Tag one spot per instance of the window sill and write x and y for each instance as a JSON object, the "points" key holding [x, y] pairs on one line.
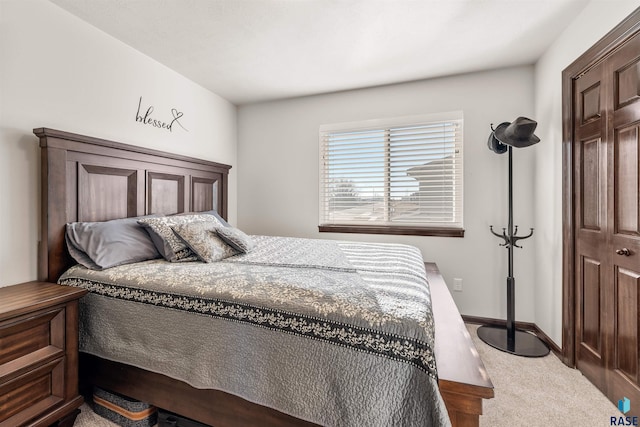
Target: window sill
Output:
{"points": [[382, 229]]}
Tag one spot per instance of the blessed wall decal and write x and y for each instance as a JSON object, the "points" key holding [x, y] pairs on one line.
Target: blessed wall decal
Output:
{"points": [[147, 119]]}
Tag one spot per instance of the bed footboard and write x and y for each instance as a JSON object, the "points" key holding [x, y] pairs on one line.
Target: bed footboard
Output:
{"points": [[463, 379]]}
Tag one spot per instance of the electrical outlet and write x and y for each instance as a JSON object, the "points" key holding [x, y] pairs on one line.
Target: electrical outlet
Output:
{"points": [[457, 284]]}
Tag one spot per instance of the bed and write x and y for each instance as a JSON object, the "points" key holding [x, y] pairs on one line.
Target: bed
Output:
{"points": [[90, 179]]}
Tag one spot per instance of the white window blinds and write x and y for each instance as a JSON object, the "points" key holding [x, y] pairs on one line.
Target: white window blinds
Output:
{"points": [[404, 172]]}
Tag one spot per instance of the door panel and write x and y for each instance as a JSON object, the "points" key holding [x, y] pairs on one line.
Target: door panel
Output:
{"points": [[590, 103], [627, 323], [606, 146], [622, 377], [591, 221], [590, 182], [591, 302], [627, 82], [624, 206], [625, 170]]}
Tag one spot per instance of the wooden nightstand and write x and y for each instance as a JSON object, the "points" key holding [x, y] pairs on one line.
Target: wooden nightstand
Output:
{"points": [[39, 355]]}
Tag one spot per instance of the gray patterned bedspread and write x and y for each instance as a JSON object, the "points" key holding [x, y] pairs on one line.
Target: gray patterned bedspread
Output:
{"points": [[333, 332]]}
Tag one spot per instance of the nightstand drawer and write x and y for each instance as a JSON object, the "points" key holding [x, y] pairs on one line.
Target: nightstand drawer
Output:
{"points": [[39, 355], [26, 334], [32, 393]]}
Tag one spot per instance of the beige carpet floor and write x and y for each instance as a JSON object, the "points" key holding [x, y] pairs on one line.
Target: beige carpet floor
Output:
{"points": [[529, 392], [532, 392]]}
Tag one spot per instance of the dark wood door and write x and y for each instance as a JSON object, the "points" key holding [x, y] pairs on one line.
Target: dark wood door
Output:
{"points": [[590, 219], [606, 105], [623, 237]]}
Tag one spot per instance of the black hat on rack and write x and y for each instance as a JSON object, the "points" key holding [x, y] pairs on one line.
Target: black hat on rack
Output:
{"points": [[519, 133], [493, 143]]}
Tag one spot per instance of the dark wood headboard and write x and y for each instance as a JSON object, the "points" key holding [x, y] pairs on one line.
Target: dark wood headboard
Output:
{"points": [[92, 179]]}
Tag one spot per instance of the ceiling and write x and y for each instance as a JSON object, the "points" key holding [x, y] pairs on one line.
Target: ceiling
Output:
{"points": [[256, 50]]}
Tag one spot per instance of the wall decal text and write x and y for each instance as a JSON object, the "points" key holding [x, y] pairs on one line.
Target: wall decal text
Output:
{"points": [[147, 119]]}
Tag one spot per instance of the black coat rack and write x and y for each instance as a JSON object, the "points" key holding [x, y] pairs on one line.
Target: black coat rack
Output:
{"points": [[508, 338]]}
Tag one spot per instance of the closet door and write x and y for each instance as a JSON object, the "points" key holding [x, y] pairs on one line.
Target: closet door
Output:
{"points": [[623, 231], [591, 256], [606, 147]]}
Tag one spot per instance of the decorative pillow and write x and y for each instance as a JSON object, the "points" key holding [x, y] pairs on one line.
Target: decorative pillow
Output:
{"points": [[203, 240], [170, 246], [236, 238], [100, 245], [213, 213]]}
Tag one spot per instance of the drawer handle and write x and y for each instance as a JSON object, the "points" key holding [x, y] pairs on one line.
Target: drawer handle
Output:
{"points": [[623, 251]]}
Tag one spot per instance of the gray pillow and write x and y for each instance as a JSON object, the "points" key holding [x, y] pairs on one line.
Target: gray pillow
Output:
{"points": [[170, 246], [236, 239], [100, 245], [202, 239]]}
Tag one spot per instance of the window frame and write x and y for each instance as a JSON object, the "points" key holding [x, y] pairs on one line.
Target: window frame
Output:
{"points": [[385, 125]]}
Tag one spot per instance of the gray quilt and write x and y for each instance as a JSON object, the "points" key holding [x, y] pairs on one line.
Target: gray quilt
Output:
{"points": [[337, 333]]}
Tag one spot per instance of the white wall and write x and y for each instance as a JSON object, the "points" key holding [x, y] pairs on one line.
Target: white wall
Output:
{"points": [[596, 20], [278, 174], [57, 71]]}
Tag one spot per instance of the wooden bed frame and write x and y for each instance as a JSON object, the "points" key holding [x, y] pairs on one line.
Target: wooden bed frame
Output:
{"points": [[91, 179]]}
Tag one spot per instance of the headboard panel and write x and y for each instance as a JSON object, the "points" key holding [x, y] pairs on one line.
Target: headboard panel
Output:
{"points": [[90, 179]]}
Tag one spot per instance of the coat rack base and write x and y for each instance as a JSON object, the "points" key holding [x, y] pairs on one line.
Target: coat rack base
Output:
{"points": [[522, 344]]}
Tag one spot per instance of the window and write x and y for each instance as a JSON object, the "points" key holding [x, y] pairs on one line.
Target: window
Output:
{"points": [[393, 176]]}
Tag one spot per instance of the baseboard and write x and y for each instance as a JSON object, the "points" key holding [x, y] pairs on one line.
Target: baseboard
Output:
{"points": [[525, 326]]}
